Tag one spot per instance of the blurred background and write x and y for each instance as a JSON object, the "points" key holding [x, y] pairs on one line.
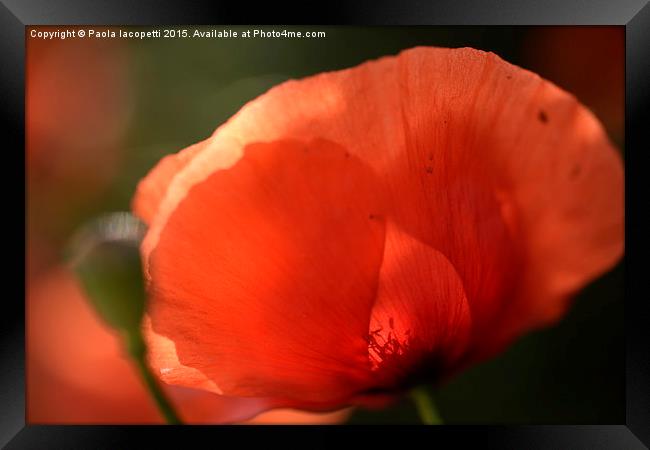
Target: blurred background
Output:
{"points": [[101, 112]]}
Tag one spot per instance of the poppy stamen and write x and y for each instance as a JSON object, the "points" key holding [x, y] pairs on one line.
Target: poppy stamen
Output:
{"points": [[385, 348]]}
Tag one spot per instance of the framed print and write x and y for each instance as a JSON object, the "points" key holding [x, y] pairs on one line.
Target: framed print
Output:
{"points": [[382, 215]]}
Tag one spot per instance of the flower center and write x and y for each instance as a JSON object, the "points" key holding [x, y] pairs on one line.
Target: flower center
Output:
{"points": [[387, 348]]}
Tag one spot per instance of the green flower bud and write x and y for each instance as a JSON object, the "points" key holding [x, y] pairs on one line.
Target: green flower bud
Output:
{"points": [[105, 256]]}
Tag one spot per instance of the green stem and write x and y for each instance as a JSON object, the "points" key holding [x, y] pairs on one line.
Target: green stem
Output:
{"points": [[137, 350], [425, 406]]}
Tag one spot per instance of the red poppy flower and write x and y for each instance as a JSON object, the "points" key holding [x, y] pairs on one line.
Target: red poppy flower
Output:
{"points": [[361, 231], [78, 372]]}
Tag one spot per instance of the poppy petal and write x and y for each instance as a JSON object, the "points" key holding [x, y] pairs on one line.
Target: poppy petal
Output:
{"points": [[295, 417], [152, 188], [421, 321], [163, 359], [276, 299], [196, 406], [523, 191]]}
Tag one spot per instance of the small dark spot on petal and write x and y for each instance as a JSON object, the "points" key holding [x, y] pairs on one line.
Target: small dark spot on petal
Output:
{"points": [[430, 156], [509, 77], [347, 154], [575, 172], [429, 169], [372, 216], [542, 116]]}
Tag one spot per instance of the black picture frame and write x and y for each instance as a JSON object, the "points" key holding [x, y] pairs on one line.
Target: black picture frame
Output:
{"points": [[15, 15]]}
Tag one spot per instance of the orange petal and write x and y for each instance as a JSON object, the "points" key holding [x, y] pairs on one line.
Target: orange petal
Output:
{"points": [[295, 417], [196, 406], [163, 359], [522, 190], [420, 323], [275, 299], [152, 188]]}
